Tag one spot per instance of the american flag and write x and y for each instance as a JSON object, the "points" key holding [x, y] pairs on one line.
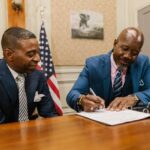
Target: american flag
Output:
{"points": [[46, 64]]}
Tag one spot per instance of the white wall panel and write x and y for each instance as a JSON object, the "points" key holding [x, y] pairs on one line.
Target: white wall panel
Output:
{"points": [[66, 77], [127, 12]]}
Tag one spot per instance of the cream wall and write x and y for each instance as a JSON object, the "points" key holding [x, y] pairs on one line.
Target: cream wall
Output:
{"points": [[73, 52], [126, 14]]}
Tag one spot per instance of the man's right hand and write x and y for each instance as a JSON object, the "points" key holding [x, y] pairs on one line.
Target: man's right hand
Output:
{"points": [[90, 103]]}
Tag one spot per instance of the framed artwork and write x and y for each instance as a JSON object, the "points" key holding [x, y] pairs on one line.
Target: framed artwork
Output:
{"points": [[87, 24]]}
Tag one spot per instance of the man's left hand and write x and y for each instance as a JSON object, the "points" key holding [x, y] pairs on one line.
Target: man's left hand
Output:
{"points": [[121, 103]]}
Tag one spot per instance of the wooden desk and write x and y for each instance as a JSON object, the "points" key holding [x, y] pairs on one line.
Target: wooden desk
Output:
{"points": [[74, 133]]}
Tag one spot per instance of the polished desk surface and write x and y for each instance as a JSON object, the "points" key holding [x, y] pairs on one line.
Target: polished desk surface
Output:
{"points": [[74, 132]]}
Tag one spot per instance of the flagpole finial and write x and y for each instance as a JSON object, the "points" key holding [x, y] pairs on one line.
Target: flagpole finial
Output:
{"points": [[42, 12]]}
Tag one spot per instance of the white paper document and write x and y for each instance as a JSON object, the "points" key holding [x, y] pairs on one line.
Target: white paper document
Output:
{"points": [[114, 117]]}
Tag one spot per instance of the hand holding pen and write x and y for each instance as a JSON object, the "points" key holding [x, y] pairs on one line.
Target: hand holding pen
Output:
{"points": [[101, 101], [92, 102]]}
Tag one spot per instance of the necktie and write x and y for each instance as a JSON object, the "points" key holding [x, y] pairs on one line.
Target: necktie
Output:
{"points": [[23, 110], [117, 87]]}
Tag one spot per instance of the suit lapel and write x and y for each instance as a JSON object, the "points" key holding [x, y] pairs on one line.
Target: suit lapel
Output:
{"points": [[8, 82], [30, 86], [135, 77], [107, 77]]}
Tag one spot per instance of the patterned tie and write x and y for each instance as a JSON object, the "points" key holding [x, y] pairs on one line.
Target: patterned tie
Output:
{"points": [[117, 87], [23, 110]]}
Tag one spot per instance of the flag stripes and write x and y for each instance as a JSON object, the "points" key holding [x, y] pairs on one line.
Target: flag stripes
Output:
{"points": [[46, 64]]}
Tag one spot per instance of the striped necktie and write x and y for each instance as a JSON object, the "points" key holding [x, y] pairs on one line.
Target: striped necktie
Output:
{"points": [[117, 87], [23, 110]]}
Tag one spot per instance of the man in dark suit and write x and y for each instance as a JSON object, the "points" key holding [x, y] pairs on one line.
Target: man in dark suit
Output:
{"points": [[100, 74], [21, 55]]}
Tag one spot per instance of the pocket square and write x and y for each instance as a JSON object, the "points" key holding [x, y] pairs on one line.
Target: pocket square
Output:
{"points": [[141, 83], [38, 97]]}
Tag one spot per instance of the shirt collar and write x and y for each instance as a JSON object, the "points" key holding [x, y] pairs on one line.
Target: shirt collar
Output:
{"points": [[113, 62], [114, 65], [13, 72]]}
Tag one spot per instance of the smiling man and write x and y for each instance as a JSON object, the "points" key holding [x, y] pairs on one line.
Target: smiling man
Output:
{"points": [[120, 79], [20, 82]]}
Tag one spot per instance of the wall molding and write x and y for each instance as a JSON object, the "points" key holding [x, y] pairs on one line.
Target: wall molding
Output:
{"points": [[66, 77], [67, 74], [63, 81], [68, 69]]}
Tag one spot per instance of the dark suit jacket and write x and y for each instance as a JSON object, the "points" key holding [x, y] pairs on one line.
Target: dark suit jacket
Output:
{"points": [[9, 103], [97, 75]]}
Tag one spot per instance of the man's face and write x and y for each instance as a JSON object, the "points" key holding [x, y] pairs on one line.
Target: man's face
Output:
{"points": [[26, 57], [126, 51]]}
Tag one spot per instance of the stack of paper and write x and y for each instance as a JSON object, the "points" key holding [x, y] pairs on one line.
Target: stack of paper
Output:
{"points": [[114, 117]]}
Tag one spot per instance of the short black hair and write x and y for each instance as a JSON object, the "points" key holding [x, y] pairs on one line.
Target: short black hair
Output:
{"points": [[12, 36]]}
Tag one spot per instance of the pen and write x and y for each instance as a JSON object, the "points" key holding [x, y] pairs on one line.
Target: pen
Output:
{"points": [[92, 92]]}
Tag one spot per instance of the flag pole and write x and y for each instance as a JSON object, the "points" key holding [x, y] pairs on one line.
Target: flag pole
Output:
{"points": [[42, 12]]}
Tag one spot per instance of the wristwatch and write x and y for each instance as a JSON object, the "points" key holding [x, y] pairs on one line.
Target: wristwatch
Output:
{"points": [[79, 103]]}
